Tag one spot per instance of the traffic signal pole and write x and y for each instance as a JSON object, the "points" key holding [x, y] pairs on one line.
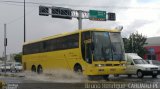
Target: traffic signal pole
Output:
{"points": [[79, 19], [67, 13], [5, 45]]}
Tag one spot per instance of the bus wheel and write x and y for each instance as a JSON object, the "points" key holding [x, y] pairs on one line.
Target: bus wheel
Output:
{"points": [[106, 77], [78, 69], [39, 69], [33, 69]]}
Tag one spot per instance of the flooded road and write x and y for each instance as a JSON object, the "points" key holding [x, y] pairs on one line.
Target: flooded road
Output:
{"points": [[63, 79]]}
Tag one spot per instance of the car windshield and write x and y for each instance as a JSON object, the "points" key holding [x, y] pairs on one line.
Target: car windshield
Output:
{"points": [[107, 46], [6, 65], [139, 61], [2, 65], [17, 64]]}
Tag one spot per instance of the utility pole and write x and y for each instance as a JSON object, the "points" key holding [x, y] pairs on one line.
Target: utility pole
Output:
{"points": [[24, 21], [132, 42], [5, 45], [79, 19]]}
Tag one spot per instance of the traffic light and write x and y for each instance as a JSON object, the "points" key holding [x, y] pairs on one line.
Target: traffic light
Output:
{"points": [[111, 16], [59, 12], [44, 11]]}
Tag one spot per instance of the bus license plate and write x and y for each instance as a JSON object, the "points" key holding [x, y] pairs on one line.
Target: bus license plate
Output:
{"points": [[154, 72], [112, 69]]}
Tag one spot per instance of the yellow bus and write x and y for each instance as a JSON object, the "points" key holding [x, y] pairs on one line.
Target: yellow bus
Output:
{"points": [[90, 51]]}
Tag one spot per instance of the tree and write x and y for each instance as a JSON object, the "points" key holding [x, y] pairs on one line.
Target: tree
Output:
{"points": [[18, 57], [1, 58], [135, 44]]}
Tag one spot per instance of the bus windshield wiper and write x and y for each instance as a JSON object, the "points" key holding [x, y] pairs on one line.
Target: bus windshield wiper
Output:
{"points": [[103, 50]]}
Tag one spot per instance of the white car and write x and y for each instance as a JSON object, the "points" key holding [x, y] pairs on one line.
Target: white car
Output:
{"points": [[8, 67], [17, 67], [137, 66]]}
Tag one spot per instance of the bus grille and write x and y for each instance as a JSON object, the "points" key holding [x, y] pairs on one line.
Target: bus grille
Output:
{"points": [[116, 64], [154, 68], [108, 64]]}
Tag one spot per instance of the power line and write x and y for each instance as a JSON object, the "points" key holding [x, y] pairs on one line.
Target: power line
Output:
{"points": [[15, 3], [21, 17], [93, 6], [11, 4], [26, 2], [18, 18]]}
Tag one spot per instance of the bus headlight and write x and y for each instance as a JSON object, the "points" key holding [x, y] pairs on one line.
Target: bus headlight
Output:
{"points": [[123, 64], [98, 65]]}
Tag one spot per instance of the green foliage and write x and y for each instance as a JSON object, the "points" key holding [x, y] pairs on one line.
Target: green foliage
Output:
{"points": [[1, 58], [138, 44], [18, 57]]}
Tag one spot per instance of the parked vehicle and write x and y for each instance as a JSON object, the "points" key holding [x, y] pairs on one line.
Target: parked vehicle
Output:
{"points": [[154, 62], [8, 67], [138, 66], [17, 67]]}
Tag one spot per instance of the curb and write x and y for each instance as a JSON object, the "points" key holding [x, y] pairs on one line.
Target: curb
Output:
{"points": [[11, 75]]}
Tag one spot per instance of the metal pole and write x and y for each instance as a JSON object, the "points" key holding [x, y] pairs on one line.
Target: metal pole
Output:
{"points": [[132, 42], [5, 44], [79, 19], [24, 21]]}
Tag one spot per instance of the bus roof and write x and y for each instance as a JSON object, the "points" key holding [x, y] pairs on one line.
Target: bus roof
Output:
{"points": [[69, 33]]}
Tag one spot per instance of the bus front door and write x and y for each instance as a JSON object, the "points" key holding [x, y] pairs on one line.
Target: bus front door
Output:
{"points": [[88, 53]]}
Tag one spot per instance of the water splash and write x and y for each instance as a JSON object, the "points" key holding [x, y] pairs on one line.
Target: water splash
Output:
{"points": [[60, 76]]}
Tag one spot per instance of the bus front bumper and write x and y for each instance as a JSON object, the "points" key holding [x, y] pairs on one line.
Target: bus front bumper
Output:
{"points": [[105, 70]]}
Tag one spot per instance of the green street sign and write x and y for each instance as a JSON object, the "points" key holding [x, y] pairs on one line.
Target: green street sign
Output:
{"points": [[97, 15]]}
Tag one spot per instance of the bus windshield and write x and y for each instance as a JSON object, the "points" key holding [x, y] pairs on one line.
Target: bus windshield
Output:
{"points": [[107, 46], [116, 45]]}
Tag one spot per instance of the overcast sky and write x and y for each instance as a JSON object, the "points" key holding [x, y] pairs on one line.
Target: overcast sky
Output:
{"points": [[134, 15]]}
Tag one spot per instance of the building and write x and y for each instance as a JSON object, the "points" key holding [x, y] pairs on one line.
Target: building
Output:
{"points": [[153, 48], [10, 58]]}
